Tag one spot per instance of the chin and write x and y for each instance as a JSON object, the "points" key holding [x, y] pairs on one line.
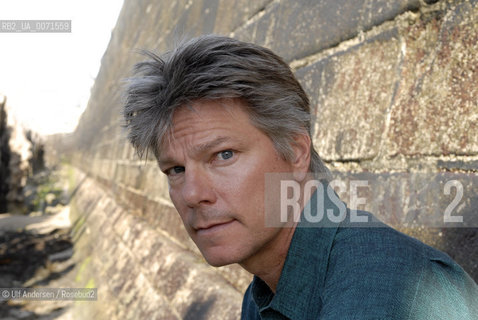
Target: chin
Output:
{"points": [[219, 259]]}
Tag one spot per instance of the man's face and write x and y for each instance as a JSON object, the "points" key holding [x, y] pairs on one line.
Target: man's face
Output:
{"points": [[216, 161]]}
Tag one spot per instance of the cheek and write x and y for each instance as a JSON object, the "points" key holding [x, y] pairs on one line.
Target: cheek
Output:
{"points": [[245, 192]]}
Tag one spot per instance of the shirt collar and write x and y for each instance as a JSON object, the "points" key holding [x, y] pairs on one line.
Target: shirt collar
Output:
{"points": [[303, 275]]}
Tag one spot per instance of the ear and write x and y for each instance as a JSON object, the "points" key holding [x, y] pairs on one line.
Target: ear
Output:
{"points": [[301, 162]]}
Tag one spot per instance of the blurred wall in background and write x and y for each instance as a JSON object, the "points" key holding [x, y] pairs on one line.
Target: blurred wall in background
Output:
{"points": [[393, 89]]}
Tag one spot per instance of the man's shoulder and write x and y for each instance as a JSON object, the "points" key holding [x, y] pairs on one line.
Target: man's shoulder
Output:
{"points": [[381, 241], [385, 273], [376, 272]]}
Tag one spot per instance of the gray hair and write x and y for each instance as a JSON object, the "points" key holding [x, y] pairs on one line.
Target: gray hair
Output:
{"points": [[215, 67]]}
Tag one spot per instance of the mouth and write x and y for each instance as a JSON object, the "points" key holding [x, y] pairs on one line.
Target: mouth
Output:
{"points": [[213, 227]]}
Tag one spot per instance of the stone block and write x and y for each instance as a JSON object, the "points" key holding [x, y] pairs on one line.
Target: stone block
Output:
{"points": [[130, 198], [176, 20], [413, 200], [232, 14], [236, 275], [173, 271], [154, 183], [135, 229], [122, 273], [375, 12], [436, 108], [106, 169], [170, 222], [204, 296], [351, 93], [128, 174], [199, 17], [312, 26], [153, 305], [261, 30], [122, 226]]}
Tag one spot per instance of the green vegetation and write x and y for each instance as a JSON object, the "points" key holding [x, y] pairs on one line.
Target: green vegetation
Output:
{"points": [[80, 275], [45, 185]]}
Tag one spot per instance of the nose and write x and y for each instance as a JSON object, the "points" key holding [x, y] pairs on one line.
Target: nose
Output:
{"points": [[197, 188]]}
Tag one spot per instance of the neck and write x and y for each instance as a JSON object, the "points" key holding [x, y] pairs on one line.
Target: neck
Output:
{"points": [[268, 264]]}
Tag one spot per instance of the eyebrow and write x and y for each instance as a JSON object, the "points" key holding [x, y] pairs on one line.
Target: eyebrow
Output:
{"points": [[201, 148], [210, 145]]}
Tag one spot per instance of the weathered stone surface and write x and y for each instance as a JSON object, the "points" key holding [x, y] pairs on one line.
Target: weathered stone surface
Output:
{"points": [[350, 117], [458, 165], [260, 30], [210, 300], [432, 200], [423, 97], [155, 188], [436, 109], [312, 26], [230, 15], [236, 275], [147, 272]]}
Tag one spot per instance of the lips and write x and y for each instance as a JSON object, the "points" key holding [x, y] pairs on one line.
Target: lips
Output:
{"points": [[213, 227]]}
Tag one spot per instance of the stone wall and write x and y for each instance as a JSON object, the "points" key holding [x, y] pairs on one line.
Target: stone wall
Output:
{"points": [[393, 89], [141, 272]]}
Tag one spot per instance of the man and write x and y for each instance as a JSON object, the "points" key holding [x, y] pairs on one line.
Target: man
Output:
{"points": [[220, 116]]}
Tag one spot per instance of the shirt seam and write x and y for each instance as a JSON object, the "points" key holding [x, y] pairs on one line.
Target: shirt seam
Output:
{"points": [[416, 293]]}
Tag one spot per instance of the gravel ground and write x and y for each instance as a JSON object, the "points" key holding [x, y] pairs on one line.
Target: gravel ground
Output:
{"points": [[29, 259]]}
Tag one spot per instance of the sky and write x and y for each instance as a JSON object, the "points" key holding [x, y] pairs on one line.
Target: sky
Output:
{"points": [[47, 77]]}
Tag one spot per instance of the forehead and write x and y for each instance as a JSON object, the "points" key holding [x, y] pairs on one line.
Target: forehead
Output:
{"points": [[203, 112], [203, 118]]}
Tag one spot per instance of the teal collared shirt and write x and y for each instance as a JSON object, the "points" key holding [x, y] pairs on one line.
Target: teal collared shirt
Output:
{"points": [[362, 271]]}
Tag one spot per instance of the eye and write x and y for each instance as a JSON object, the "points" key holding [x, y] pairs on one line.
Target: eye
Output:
{"points": [[225, 155], [174, 170]]}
